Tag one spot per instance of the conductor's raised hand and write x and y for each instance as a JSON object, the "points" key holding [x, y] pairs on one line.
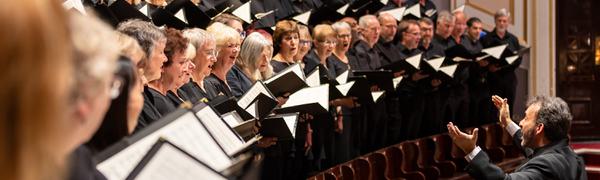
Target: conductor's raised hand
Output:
{"points": [[503, 110], [464, 141]]}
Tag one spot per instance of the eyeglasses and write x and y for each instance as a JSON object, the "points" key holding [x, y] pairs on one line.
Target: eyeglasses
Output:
{"points": [[213, 53], [328, 42], [305, 42], [243, 34], [343, 36], [115, 87]]}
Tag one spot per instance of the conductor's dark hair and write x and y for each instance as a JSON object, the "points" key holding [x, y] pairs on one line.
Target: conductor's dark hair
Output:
{"points": [[554, 114], [114, 126]]}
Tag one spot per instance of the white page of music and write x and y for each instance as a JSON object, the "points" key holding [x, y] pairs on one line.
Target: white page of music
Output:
{"points": [[185, 132], [254, 91], [319, 94], [170, 163], [222, 132]]}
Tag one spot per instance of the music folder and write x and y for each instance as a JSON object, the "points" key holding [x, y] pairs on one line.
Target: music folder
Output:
{"points": [[225, 135], [180, 127], [312, 100], [361, 89], [261, 99], [409, 65], [282, 126], [166, 160], [243, 128], [381, 78], [224, 105], [289, 80]]}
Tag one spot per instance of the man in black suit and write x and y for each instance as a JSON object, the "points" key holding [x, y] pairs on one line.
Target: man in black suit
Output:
{"points": [[542, 135]]}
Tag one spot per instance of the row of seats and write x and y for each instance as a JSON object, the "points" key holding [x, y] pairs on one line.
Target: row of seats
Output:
{"points": [[433, 157]]}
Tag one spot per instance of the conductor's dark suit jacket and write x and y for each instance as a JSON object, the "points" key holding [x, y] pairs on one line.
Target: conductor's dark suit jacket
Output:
{"points": [[553, 161]]}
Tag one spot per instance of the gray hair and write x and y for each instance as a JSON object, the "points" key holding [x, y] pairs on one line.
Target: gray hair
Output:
{"points": [[198, 37], [337, 26], [251, 51], [95, 50], [445, 16], [501, 13], [554, 113], [364, 21], [146, 34]]}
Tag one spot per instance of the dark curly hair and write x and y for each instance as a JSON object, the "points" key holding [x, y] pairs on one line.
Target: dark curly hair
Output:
{"points": [[176, 43]]}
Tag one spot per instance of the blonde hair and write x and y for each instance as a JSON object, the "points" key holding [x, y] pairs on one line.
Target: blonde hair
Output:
{"points": [[323, 31], [223, 34], [251, 52], [303, 31], [190, 51], [95, 51], [36, 77]]}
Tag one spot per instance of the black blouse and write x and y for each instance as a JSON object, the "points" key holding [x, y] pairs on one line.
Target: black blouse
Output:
{"points": [[161, 102], [194, 92], [215, 87]]}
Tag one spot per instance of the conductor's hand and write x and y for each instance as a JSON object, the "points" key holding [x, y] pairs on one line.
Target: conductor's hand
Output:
{"points": [[503, 110], [464, 141]]}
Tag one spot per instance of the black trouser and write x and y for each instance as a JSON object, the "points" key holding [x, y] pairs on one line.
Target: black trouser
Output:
{"points": [[504, 84], [433, 122], [481, 107], [394, 121]]}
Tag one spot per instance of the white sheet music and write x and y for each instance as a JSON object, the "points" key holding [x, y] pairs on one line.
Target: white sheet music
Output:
{"points": [[185, 132], [512, 59], [252, 109], [170, 163], [436, 63], [243, 12], [343, 78], [449, 70], [397, 81], [228, 139], [482, 57], [495, 51], [291, 120], [345, 88], [296, 69], [397, 13], [252, 93], [415, 60], [232, 118], [313, 79], [376, 95], [319, 94]]}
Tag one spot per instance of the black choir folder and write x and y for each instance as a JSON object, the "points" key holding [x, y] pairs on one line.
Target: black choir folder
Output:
{"points": [[381, 78], [258, 100], [312, 100], [289, 80], [200, 132], [282, 126], [409, 65], [224, 104], [167, 161]]}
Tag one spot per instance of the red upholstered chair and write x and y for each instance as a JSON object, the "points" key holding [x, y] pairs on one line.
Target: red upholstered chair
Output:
{"points": [[378, 165], [361, 168], [329, 176], [347, 172], [410, 155], [442, 156], [426, 164], [492, 144], [393, 157]]}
